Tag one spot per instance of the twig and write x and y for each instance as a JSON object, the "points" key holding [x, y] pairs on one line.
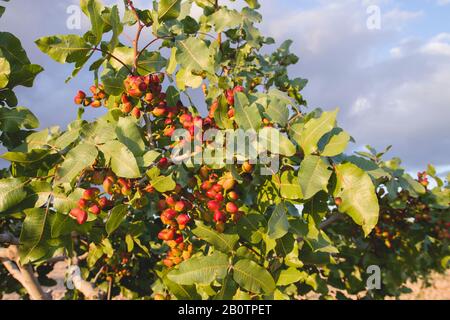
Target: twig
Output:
{"points": [[138, 35], [325, 224], [10, 259], [148, 125], [149, 44]]}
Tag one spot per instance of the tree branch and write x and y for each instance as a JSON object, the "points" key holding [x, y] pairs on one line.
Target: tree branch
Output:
{"points": [[325, 224], [87, 288], [9, 257]]}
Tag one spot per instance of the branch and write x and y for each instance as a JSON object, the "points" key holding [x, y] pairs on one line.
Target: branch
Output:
{"points": [[9, 257], [138, 35], [65, 257], [146, 46], [325, 224], [85, 287]]}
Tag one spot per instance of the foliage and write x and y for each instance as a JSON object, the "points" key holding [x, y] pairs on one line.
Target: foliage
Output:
{"points": [[152, 228]]}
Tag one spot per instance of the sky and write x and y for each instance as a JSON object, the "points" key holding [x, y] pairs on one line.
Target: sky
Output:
{"points": [[390, 76]]}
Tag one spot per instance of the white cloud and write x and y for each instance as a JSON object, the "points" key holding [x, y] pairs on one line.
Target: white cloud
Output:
{"points": [[438, 45], [360, 106], [443, 2], [387, 96]]}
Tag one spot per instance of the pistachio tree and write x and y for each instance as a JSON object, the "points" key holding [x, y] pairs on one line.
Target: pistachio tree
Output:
{"points": [[134, 215]]}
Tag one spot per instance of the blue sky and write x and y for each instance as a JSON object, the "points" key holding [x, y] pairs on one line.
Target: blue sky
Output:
{"points": [[391, 84]]}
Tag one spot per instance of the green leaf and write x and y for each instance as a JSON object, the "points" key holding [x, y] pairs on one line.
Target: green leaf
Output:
{"points": [[33, 233], [94, 10], [314, 175], [12, 192], [172, 63], [151, 62], [62, 224], [123, 162], [359, 199], [288, 185], [185, 78], [277, 111], [64, 48], [247, 117], [369, 166], [201, 270], [182, 292], [228, 289], [253, 4], [77, 159], [278, 224], [66, 139], [252, 227], [64, 203], [309, 134], [220, 241], [336, 144], [117, 28], [274, 141], [128, 132], [163, 183], [21, 71], [169, 9], [34, 155], [112, 80], [172, 96], [225, 18], [150, 157], [413, 186], [290, 276], [220, 115], [252, 277], [193, 54], [12, 120], [5, 71], [116, 217]]}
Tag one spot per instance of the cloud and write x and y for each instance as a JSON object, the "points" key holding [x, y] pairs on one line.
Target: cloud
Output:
{"points": [[443, 2], [391, 89], [391, 84]]}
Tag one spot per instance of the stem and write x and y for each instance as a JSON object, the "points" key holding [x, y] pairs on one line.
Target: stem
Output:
{"points": [[148, 125], [325, 224], [136, 46], [138, 35], [219, 35]]}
